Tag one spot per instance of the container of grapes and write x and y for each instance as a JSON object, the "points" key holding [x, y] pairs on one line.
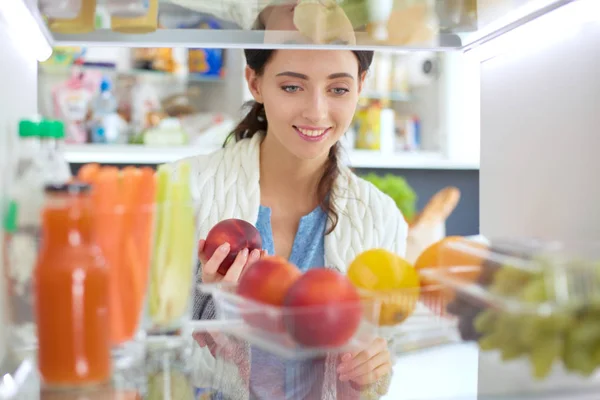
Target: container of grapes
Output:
{"points": [[532, 307]]}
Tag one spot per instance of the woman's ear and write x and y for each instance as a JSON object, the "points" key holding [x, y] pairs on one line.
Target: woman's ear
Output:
{"points": [[253, 81]]}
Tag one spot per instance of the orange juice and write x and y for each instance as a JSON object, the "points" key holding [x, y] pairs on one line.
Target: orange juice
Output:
{"points": [[72, 293]]}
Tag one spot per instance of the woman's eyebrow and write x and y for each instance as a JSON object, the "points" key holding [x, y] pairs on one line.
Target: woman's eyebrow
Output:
{"points": [[305, 77]]}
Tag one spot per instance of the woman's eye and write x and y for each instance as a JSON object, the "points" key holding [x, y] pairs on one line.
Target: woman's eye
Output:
{"points": [[340, 91], [290, 88]]}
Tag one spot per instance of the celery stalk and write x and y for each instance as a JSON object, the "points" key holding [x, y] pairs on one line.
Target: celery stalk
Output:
{"points": [[175, 248], [159, 259]]}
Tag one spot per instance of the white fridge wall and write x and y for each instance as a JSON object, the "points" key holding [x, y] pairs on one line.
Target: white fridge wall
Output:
{"points": [[540, 147], [18, 80], [539, 137]]}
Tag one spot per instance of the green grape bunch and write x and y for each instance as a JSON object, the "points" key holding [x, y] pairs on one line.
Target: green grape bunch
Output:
{"points": [[556, 317]]}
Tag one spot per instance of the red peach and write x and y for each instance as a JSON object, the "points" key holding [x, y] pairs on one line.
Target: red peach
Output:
{"points": [[238, 233], [324, 309], [266, 281]]}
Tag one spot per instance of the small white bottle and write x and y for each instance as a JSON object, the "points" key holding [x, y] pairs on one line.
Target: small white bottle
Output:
{"points": [[52, 134]]}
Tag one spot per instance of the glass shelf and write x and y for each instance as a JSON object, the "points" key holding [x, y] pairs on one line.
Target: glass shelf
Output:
{"points": [[174, 374], [411, 24]]}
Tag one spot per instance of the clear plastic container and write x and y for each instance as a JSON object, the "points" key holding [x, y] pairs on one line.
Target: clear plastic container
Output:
{"points": [[169, 299], [127, 8], [60, 8], [283, 331], [144, 23], [83, 22], [402, 22], [532, 306], [415, 318]]}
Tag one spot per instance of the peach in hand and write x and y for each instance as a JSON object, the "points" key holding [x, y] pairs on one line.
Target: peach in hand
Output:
{"points": [[238, 233]]}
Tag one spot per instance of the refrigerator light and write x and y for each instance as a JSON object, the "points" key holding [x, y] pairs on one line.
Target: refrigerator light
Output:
{"points": [[545, 31]]}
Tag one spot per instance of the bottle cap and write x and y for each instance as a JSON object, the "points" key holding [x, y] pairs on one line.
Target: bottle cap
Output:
{"points": [[68, 188], [29, 128], [52, 129], [105, 85]]}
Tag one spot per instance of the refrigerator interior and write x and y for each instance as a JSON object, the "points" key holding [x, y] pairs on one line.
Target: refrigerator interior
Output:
{"points": [[539, 111]]}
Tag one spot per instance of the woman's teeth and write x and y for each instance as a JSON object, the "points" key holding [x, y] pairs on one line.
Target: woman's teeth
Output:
{"points": [[311, 132]]}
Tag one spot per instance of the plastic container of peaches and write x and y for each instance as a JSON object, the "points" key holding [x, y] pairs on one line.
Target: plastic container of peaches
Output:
{"points": [[410, 319], [531, 306], [292, 333]]}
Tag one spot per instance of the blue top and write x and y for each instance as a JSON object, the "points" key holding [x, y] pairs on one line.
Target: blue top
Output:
{"points": [[272, 378]]}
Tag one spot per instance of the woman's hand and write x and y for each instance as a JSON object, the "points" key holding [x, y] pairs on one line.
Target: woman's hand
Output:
{"points": [[210, 266], [367, 366]]}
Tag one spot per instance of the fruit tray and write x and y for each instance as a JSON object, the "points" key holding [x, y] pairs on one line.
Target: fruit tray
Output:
{"points": [[531, 305], [415, 319], [294, 333]]}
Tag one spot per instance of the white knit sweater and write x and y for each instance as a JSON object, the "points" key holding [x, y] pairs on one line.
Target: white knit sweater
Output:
{"points": [[225, 184]]}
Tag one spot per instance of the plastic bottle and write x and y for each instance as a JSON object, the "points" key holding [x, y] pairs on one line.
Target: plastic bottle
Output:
{"points": [[60, 8], [52, 134], [21, 224], [106, 122]]}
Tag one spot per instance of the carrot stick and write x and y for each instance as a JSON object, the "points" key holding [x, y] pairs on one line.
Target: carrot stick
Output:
{"points": [[88, 172], [129, 284], [135, 285], [108, 225], [144, 221]]}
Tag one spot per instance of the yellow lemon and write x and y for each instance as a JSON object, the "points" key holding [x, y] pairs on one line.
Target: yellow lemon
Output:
{"points": [[388, 278]]}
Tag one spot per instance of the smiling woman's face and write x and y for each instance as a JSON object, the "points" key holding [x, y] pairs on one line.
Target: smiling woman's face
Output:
{"points": [[310, 97]]}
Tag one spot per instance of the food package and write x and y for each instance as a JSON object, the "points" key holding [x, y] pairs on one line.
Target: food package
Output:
{"points": [[155, 59], [205, 62]]}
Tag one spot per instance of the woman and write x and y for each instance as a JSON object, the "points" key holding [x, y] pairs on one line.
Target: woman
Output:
{"points": [[282, 173]]}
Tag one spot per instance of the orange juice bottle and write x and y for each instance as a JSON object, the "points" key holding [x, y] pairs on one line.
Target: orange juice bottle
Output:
{"points": [[72, 293]]}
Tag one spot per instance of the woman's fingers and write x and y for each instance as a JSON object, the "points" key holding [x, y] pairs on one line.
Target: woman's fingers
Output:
{"points": [[201, 256], [253, 257], [369, 371], [234, 272], [210, 267]]}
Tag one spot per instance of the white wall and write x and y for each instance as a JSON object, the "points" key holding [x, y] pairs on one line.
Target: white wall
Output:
{"points": [[540, 150], [18, 98]]}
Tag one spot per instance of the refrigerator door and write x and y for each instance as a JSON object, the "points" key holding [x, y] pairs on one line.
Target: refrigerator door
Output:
{"points": [[539, 154], [18, 98]]}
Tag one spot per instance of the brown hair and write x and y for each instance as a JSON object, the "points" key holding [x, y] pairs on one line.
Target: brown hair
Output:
{"points": [[256, 121]]}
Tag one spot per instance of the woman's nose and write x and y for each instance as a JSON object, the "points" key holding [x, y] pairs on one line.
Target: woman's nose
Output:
{"points": [[315, 109]]}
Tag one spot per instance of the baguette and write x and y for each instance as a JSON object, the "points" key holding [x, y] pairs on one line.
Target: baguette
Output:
{"points": [[439, 207]]}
